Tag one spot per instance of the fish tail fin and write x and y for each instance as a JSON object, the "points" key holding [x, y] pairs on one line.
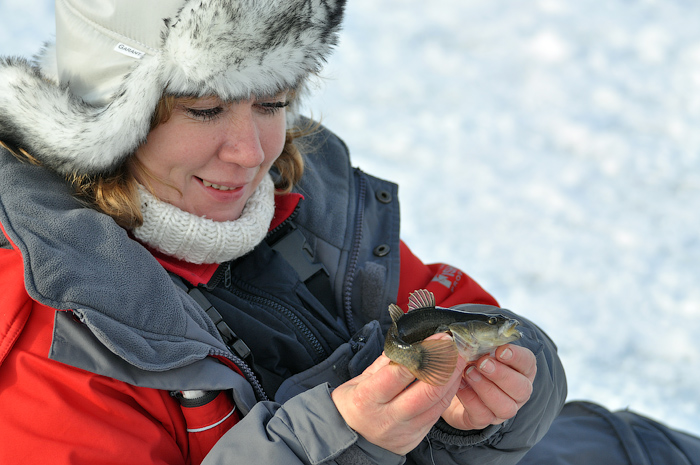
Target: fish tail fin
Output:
{"points": [[439, 359]]}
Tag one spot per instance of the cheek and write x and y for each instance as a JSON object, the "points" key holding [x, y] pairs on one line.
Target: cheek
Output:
{"points": [[160, 159], [273, 141], [172, 145]]}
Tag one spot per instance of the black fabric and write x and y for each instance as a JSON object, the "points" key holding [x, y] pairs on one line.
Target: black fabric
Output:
{"points": [[586, 433], [292, 245], [348, 361], [287, 329]]}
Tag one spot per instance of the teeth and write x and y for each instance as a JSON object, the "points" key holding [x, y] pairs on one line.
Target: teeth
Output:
{"points": [[216, 186]]}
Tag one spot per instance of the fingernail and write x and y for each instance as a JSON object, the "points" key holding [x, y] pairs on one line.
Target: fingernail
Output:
{"points": [[507, 354], [487, 366], [473, 374]]}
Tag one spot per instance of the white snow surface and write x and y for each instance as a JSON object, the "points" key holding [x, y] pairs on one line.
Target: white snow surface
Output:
{"points": [[550, 149]]}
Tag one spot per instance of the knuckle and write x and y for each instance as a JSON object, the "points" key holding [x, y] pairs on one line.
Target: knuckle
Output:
{"points": [[433, 395], [438, 398], [532, 372], [445, 402], [487, 390], [364, 399], [480, 421], [506, 410], [528, 391]]}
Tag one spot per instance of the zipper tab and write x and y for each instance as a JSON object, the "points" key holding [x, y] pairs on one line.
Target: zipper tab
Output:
{"points": [[227, 277]]}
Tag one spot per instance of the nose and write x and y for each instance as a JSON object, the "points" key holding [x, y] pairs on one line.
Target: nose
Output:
{"points": [[241, 142]]}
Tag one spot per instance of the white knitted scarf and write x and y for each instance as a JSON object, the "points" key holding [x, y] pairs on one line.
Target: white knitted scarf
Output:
{"points": [[201, 240]]}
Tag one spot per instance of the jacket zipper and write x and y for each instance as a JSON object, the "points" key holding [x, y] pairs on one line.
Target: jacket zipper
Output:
{"points": [[242, 365], [224, 271], [245, 292], [284, 223], [354, 254], [248, 373]]}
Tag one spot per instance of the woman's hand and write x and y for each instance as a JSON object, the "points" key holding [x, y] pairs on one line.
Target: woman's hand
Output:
{"points": [[384, 407], [493, 389], [389, 409]]}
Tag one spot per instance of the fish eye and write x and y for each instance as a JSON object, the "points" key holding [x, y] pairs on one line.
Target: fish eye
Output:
{"points": [[493, 320]]}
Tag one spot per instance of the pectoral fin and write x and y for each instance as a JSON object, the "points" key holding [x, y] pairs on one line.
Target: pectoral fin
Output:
{"points": [[438, 361], [467, 345]]}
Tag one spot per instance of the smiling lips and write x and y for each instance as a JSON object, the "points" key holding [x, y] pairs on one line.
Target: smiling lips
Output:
{"points": [[218, 187]]}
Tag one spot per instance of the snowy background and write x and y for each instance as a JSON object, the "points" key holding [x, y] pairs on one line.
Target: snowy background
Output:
{"points": [[551, 149]]}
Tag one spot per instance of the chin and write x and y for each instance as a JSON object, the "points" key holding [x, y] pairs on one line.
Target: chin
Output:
{"points": [[221, 217]]}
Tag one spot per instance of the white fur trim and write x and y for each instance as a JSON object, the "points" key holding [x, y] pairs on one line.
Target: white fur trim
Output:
{"points": [[65, 133]]}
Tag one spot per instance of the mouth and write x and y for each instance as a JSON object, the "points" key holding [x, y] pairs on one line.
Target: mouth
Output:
{"points": [[510, 328], [219, 187]]}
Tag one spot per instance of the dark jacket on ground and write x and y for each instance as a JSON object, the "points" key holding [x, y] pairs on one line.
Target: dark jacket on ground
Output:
{"points": [[586, 433]]}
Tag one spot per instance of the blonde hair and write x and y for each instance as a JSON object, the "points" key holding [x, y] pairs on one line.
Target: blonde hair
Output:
{"points": [[116, 193]]}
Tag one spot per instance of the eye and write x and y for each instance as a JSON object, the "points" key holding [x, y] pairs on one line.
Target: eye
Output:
{"points": [[493, 320], [204, 114], [271, 108]]}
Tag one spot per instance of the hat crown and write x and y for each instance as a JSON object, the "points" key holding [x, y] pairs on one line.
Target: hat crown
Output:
{"points": [[98, 42]]}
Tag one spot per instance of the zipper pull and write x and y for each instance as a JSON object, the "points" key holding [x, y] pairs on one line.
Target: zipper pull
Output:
{"points": [[227, 277]]}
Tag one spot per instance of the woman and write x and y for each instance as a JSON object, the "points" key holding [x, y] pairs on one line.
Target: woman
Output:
{"points": [[194, 312]]}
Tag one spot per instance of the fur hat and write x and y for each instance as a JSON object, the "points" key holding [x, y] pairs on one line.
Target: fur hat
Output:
{"points": [[87, 103]]}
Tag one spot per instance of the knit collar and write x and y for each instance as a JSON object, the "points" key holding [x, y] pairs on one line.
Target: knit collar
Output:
{"points": [[196, 274], [195, 239]]}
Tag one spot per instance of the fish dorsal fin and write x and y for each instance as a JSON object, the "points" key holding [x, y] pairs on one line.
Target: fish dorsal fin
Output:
{"points": [[395, 312], [421, 299]]}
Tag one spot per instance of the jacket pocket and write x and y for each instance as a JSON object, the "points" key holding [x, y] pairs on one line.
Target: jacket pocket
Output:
{"points": [[209, 415]]}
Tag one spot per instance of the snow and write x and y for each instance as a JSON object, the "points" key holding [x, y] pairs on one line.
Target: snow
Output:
{"points": [[547, 147]]}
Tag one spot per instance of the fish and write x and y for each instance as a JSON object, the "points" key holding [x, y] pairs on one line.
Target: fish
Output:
{"points": [[473, 334]]}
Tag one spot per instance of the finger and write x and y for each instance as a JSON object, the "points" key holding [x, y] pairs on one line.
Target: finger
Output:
{"points": [[377, 365], [473, 413], [502, 400], [513, 383], [383, 380], [425, 411], [420, 397], [518, 358]]}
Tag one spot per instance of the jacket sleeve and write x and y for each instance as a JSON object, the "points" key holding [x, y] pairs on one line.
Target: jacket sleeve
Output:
{"points": [[497, 444], [58, 414], [307, 429]]}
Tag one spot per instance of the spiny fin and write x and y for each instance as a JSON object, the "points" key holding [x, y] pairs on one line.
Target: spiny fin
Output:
{"points": [[395, 312], [421, 299], [439, 361]]}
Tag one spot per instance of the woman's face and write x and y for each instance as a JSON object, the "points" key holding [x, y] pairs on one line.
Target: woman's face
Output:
{"points": [[210, 156]]}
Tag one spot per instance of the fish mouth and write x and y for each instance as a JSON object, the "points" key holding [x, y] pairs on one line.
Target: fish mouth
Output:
{"points": [[510, 328]]}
